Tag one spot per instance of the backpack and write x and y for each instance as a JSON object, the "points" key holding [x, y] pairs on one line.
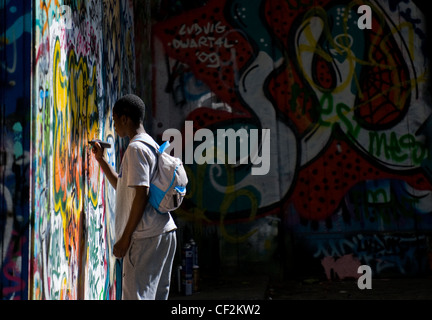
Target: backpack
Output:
{"points": [[168, 183]]}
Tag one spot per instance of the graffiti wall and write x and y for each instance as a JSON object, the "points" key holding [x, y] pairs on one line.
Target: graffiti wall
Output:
{"points": [[84, 59], [15, 37], [343, 88]]}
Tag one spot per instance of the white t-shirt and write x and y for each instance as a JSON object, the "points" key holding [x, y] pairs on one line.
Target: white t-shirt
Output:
{"points": [[137, 167]]}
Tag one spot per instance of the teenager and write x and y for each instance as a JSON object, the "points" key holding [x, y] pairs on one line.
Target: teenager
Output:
{"points": [[145, 239]]}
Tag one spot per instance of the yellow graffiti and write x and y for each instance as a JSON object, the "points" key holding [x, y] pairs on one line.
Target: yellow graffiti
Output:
{"points": [[231, 194], [401, 87], [226, 203], [75, 120]]}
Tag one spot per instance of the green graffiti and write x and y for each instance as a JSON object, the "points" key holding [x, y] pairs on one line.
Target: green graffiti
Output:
{"points": [[397, 149]]}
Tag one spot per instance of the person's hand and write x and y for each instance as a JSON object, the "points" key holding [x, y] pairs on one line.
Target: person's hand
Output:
{"points": [[121, 247], [98, 151]]}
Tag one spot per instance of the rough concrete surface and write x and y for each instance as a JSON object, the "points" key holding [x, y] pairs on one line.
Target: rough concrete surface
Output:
{"points": [[250, 287]]}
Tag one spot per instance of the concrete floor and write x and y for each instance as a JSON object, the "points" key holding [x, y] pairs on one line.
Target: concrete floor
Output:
{"points": [[382, 289], [253, 287]]}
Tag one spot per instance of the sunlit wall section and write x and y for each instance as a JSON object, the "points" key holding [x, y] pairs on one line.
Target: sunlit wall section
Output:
{"points": [[83, 54]]}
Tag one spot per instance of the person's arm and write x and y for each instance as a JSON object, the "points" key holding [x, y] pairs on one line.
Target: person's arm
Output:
{"points": [[138, 205], [109, 171]]}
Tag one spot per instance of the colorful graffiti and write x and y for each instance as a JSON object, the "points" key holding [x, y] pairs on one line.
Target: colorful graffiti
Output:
{"points": [[392, 253], [347, 107], [73, 209], [15, 38]]}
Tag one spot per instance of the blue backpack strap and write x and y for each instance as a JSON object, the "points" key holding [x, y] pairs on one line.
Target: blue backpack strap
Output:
{"points": [[165, 145]]}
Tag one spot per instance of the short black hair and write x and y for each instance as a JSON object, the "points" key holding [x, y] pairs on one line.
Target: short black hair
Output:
{"points": [[132, 107]]}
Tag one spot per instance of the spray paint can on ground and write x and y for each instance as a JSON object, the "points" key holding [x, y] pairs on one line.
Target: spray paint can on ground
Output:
{"points": [[196, 284], [194, 252], [195, 265], [179, 278], [187, 269]]}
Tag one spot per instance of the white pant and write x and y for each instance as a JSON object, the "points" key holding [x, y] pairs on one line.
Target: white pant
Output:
{"points": [[147, 268]]}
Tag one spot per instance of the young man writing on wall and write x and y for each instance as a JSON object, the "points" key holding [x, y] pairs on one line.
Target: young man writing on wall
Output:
{"points": [[145, 239]]}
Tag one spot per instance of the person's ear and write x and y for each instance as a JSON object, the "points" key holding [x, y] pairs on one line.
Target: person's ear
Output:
{"points": [[124, 119]]}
